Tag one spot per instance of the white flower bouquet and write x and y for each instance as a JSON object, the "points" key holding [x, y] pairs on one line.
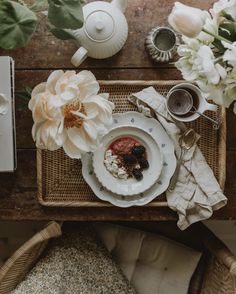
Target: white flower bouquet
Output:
{"points": [[68, 112], [208, 52]]}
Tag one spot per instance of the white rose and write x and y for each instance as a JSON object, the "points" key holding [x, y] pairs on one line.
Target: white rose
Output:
{"points": [[222, 94], [68, 112], [227, 6], [231, 91], [187, 20], [234, 109], [207, 67], [230, 53], [188, 54], [230, 94], [198, 62], [212, 92], [4, 104]]}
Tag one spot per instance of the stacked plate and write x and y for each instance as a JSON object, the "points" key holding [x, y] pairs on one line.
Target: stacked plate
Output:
{"points": [[160, 153]]}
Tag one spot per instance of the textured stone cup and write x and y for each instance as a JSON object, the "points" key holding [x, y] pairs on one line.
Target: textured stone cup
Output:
{"points": [[161, 44]]}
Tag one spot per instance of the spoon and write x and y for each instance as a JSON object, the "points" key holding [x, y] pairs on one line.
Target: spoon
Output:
{"points": [[180, 102], [216, 124], [186, 141]]}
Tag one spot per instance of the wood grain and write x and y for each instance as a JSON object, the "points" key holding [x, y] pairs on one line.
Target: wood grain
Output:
{"points": [[18, 198], [44, 53], [30, 78]]}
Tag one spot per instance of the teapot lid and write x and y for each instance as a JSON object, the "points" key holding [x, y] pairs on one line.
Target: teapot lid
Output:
{"points": [[99, 26]]}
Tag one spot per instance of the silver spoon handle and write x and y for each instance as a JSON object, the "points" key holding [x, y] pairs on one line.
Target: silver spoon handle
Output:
{"points": [[175, 176], [215, 122]]}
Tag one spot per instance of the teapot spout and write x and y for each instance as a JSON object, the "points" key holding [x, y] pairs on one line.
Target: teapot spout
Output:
{"points": [[120, 4]]}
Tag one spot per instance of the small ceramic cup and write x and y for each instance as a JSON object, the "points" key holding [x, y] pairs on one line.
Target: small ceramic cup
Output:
{"points": [[161, 44], [201, 104]]}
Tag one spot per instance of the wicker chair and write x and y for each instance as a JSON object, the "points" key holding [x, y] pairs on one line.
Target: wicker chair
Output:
{"points": [[20, 263], [215, 274]]}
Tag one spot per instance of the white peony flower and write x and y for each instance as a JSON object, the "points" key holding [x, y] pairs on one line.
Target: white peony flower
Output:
{"points": [[227, 6], [187, 20], [68, 112], [4, 104], [207, 67], [230, 53]]}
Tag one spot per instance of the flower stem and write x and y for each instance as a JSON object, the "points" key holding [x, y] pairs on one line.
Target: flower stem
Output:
{"points": [[220, 58], [217, 37]]}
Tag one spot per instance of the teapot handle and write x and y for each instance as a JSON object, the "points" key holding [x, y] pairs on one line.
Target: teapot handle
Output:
{"points": [[79, 56]]}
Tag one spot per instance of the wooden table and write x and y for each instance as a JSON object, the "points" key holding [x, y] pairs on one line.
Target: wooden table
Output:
{"points": [[45, 53]]}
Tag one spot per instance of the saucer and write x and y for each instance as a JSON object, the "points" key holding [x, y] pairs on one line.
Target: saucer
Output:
{"points": [[128, 186], [155, 129]]}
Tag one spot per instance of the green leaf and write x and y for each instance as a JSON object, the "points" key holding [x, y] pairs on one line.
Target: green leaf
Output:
{"points": [[62, 34], [24, 94], [219, 46], [228, 30], [39, 5], [65, 14], [227, 16], [17, 24]]}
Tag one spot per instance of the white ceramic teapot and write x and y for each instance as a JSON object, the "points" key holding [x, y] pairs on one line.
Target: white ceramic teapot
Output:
{"points": [[104, 32]]}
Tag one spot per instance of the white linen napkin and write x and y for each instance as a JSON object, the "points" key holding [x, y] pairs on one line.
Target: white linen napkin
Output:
{"points": [[197, 193]]}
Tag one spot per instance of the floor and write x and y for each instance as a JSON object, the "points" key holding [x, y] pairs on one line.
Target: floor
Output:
{"points": [[14, 234], [226, 231]]}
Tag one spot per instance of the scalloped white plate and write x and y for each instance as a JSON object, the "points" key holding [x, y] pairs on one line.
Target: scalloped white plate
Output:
{"points": [[130, 186], [154, 128]]}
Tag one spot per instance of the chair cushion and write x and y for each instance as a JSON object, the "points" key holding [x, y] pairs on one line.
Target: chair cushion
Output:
{"points": [[152, 263], [76, 263]]}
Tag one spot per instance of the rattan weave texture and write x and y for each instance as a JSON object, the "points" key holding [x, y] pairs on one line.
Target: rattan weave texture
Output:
{"points": [[214, 275], [60, 180], [21, 262]]}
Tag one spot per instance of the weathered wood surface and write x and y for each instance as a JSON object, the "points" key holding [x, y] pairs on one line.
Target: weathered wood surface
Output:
{"points": [[18, 198], [44, 53], [31, 78]]}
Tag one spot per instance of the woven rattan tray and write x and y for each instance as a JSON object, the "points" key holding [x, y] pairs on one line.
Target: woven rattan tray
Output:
{"points": [[60, 181]]}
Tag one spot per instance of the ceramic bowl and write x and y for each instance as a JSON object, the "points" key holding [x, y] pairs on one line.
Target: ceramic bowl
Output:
{"points": [[154, 128], [130, 186]]}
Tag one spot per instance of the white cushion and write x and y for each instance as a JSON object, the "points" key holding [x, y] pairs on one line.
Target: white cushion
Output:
{"points": [[153, 264]]}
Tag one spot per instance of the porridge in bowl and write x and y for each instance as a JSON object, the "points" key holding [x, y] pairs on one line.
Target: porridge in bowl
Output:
{"points": [[126, 158]]}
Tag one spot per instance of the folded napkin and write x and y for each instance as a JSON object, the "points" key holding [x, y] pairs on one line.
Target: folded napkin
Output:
{"points": [[197, 193]]}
